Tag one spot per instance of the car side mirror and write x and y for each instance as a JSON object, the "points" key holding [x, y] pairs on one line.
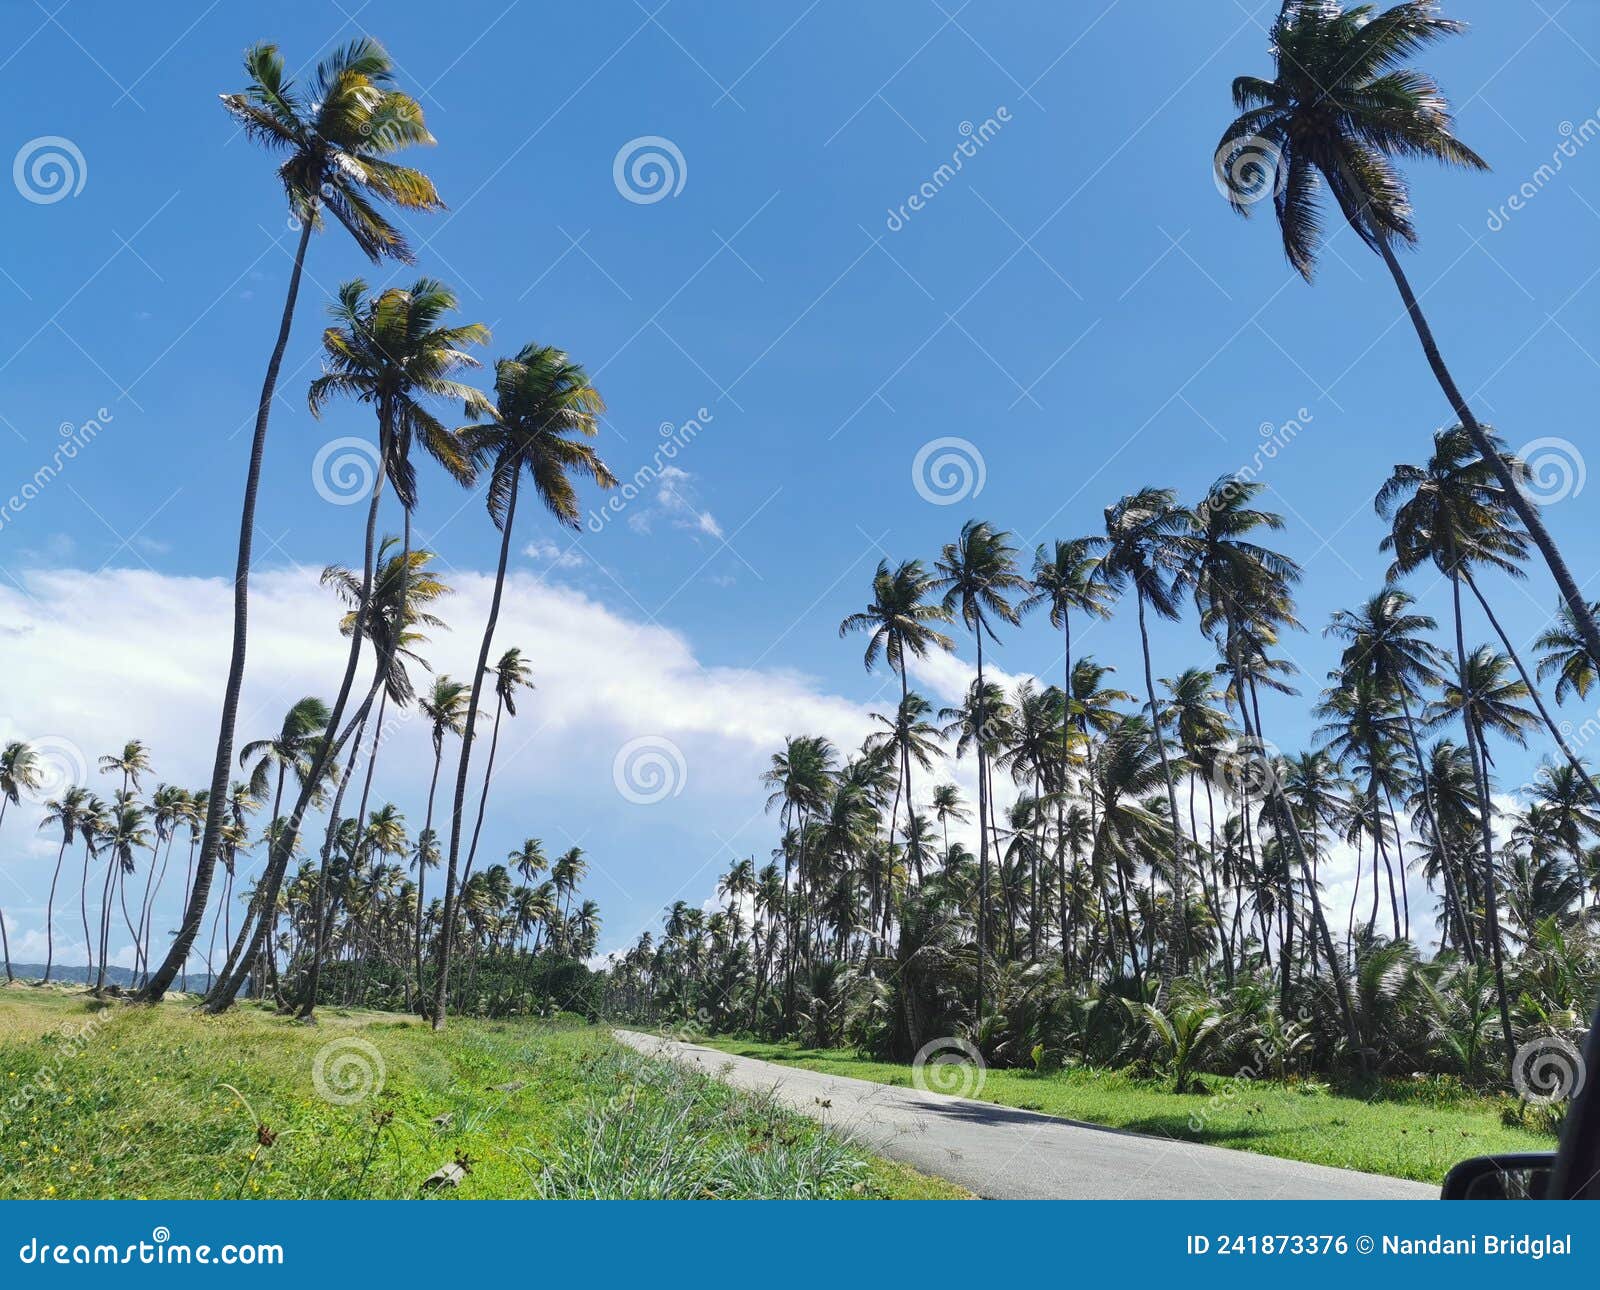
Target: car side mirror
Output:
{"points": [[1513, 1176]]}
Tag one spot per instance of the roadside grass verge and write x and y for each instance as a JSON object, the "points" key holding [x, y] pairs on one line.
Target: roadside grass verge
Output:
{"points": [[1406, 1130], [119, 1101]]}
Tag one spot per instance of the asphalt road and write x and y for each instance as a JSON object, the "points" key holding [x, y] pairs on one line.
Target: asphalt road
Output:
{"points": [[1005, 1154]]}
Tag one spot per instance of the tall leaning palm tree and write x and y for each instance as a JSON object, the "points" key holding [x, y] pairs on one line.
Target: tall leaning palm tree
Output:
{"points": [[1343, 106], [978, 575], [335, 136], [898, 619], [545, 410], [20, 773]]}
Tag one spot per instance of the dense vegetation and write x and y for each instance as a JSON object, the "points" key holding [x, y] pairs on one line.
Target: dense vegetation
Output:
{"points": [[102, 1101], [1151, 890]]}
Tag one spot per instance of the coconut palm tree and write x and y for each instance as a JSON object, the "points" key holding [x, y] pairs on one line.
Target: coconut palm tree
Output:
{"points": [[544, 411], [394, 352], [335, 136], [897, 619], [1064, 581], [1343, 106], [66, 813], [124, 836], [20, 773], [511, 674], [1485, 698], [445, 707], [1147, 546], [801, 780], [1565, 656], [978, 575]]}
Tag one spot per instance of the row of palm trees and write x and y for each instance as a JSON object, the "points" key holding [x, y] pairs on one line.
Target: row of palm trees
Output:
{"points": [[397, 352], [1099, 786], [1162, 837], [373, 915]]}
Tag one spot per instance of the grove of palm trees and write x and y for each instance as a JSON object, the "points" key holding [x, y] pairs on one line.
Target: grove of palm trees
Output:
{"points": [[1139, 869], [1137, 850]]}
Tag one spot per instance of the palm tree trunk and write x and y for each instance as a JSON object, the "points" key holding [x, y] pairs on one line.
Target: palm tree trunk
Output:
{"points": [[1526, 508], [1491, 898], [49, 913], [222, 764], [1179, 894], [983, 829], [483, 796], [83, 908], [1533, 691], [422, 868], [442, 985]]}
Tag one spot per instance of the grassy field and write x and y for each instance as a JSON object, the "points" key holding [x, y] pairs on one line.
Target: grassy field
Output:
{"points": [[162, 1102], [1410, 1131]]}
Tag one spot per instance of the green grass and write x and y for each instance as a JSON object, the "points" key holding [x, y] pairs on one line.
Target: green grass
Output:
{"points": [[1406, 1130], [164, 1102]]}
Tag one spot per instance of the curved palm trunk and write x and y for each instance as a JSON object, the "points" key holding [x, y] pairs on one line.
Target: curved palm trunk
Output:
{"points": [[422, 867], [222, 764], [483, 796], [1491, 898], [983, 828], [1179, 893], [83, 909], [1526, 508], [49, 913], [442, 985], [1533, 691]]}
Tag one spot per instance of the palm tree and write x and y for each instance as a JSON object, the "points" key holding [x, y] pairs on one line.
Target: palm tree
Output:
{"points": [[335, 141], [544, 411], [1486, 699], [1342, 107], [20, 773], [1064, 580], [801, 779], [1146, 547], [978, 575], [66, 813], [511, 673], [898, 619], [445, 707], [1565, 656], [393, 352], [946, 807], [124, 836]]}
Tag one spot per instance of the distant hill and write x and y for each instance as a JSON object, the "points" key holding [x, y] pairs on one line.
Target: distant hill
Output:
{"points": [[114, 975]]}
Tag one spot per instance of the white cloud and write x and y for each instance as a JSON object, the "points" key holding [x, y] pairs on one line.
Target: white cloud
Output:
{"points": [[675, 501]]}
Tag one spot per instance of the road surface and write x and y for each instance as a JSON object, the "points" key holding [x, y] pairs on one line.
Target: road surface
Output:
{"points": [[1001, 1153]]}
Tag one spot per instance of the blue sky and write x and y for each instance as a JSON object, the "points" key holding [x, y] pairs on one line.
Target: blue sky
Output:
{"points": [[1078, 303]]}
